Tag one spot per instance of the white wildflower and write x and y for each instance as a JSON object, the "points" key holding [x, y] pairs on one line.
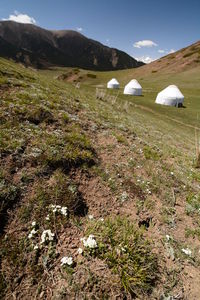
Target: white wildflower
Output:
{"points": [[36, 247], [47, 235], [187, 251], [47, 218], [167, 237], [55, 208], [33, 224], [172, 173], [90, 242], [66, 261], [32, 233], [101, 219], [90, 217], [59, 209], [80, 250], [63, 211], [124, 196]]}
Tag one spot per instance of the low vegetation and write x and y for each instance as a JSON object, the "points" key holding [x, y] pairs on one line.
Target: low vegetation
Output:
{"points": [[127, 254]]}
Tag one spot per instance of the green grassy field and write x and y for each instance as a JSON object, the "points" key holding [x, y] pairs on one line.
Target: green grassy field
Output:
{"points": [[170, 128], [188, 82], [122, 167]]}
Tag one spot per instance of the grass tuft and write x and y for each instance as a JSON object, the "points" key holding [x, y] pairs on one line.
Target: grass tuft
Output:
{"points": [[127, 253]]}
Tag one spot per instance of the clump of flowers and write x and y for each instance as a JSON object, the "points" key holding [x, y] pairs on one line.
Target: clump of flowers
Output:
{"points": [[63, 210], [66, 261], [124, 196], [90, 217], [47, 236], [187, 251], [32, 233], [89, 242], [55, 208], [80, 250]]}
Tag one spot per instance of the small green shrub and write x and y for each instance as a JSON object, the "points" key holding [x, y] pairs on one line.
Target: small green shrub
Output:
{"points": [[61, 191], [90, 75], [149, 153], [192, 203], [190, 232], [121, 139]]}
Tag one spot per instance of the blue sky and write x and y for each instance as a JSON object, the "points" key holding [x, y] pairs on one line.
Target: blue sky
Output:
{"points": [[142, 28]]}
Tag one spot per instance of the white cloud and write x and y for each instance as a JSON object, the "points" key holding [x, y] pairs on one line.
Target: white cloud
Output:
{"points": [[79, 29], [21, 18], [161, 51], [146, 59], [171, 51], [144, 43]]}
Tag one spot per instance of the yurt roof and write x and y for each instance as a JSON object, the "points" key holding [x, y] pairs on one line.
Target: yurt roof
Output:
{"points": [[172, 91], [134, 84], [113, 81]]}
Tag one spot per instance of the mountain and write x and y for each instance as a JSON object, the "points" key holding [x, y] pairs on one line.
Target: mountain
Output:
{"points": [[41, 48]]}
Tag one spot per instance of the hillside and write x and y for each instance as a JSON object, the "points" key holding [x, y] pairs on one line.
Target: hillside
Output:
{"points": [[116, 177], [42, 48], [179, 61]]}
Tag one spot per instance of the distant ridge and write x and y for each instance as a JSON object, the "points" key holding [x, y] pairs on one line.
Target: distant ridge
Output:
{"points": [[184, 59], [41, 48]]}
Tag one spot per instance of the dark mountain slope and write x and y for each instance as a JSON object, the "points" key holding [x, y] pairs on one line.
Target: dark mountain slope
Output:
{"points": [[42, 48]]}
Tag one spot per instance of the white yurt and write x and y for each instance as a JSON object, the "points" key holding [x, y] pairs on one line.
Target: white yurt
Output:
{"points": [[133, 88], [113, 84], [171, 96]]}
